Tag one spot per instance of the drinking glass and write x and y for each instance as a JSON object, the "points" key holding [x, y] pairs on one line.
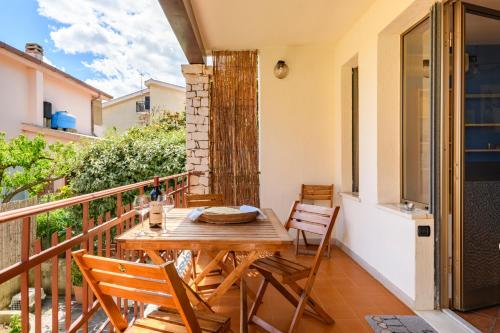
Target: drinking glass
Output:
{"points": [[141, 206], [168, 203]]}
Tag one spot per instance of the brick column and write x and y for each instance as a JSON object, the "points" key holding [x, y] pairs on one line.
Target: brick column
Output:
{"points": [[198, 79]]}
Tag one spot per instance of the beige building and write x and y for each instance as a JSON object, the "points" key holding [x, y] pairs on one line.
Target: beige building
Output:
{"points": [[129, 110], [28, 85]]}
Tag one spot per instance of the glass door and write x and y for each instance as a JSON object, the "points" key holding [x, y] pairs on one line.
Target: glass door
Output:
{"points": [[477, 159]]}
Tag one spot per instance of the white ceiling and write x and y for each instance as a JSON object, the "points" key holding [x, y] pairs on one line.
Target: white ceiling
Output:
{"points": [[249, 24]]}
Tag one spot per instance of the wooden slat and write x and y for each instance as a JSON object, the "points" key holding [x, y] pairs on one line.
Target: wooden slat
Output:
{"points": [[54, 286], [25, 253], [121, 267], [204, 200], [67, 295], [317, 196], [85, 245], [99, 237], [137, 294], [91, 251], [38, 290], [315, 209], [129, 280], [314, 228], [172, 316], [308, 217], [108, 237]]}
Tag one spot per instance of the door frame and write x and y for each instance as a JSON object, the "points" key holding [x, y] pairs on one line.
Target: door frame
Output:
{"points": [[452, 170]]}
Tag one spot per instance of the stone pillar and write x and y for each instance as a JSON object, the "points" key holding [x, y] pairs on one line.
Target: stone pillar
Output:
{"points": [[198, 79]]}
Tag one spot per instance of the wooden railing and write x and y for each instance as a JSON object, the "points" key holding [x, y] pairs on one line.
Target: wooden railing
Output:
{"points": [[97, 236]]}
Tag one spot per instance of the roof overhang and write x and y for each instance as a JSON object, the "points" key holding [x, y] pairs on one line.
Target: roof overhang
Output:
{"points": [[121, 99], [183, 22], [164, 85]]}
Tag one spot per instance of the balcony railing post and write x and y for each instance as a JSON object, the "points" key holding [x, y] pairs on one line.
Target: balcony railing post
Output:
{"points": [[38, 290], [67, 318], [25, 254], [54, 286], [85, 244]]}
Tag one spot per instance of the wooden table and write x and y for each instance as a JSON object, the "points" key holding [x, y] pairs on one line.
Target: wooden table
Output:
{"points": [[255, 239]]}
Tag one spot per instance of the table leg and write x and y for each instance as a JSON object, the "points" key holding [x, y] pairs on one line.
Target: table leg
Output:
{"points": [[233, 277], [243, 306], [208, 268]]}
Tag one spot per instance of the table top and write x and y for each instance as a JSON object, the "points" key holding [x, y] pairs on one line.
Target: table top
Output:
{"points": [[268, 234]]}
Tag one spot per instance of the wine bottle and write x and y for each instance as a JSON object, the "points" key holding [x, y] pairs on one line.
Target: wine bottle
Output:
{"points": [[156, 211], [156, 191]]}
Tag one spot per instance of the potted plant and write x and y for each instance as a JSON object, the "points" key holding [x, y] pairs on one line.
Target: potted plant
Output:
{"points": [[76, 281]]}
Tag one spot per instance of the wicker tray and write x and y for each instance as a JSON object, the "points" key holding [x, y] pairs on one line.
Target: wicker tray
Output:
{"points": [[228, 218]]}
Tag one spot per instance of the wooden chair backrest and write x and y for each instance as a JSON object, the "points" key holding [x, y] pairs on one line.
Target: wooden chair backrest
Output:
{"points": [[315, 219], [317, 192], [151, 284], [204, 200]]}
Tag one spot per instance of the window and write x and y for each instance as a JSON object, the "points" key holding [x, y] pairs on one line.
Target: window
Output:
{"points": [[139, 106], [147, 103], [355, 130], [416, 121]]}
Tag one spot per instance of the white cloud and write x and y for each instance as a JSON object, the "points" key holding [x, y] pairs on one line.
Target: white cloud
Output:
{"points": [[126, 38]]}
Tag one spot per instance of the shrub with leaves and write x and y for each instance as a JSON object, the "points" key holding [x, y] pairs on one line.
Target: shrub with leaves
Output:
{"points": [[136, 155]]}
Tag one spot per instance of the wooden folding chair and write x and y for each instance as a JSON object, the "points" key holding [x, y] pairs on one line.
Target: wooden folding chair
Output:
{"points": [[311, 194], [204, 200], [150, 284], [281, 272]]}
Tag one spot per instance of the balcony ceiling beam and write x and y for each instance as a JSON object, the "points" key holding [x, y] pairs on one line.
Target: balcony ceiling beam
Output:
{"points": [[183, 22]]}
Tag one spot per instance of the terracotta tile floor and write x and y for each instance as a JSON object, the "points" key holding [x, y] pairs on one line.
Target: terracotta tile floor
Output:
{"points": [[486, 320], [344, 289]]}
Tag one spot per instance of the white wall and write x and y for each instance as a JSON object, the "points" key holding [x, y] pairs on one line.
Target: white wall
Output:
{"points": [[166, 99], [305, 138], [24, 88], [65, 97], [381, 238], [296, 124], [14, 105], [121, 115]]}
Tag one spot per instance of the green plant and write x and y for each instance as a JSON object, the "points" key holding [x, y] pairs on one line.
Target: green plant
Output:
{"points": [[31, 164], [56, 221], [136, 155], [76, 275], [15, 324]]}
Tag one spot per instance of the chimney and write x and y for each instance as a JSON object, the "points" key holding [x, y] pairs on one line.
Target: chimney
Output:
{"points": [[34, 50]]}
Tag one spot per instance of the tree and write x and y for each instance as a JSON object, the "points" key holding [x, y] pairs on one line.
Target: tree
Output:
{"points": [[31, 164]]}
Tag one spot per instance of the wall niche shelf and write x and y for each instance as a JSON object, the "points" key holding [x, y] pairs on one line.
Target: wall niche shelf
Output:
{"points": [[484, 95], [496, 150], [483, 125]]}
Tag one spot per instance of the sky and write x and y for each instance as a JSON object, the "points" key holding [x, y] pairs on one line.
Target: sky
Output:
{"points": [[106, 43]]}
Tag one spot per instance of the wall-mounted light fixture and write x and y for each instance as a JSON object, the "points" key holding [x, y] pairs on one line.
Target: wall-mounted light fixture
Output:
{"points": [[281, 69]]}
